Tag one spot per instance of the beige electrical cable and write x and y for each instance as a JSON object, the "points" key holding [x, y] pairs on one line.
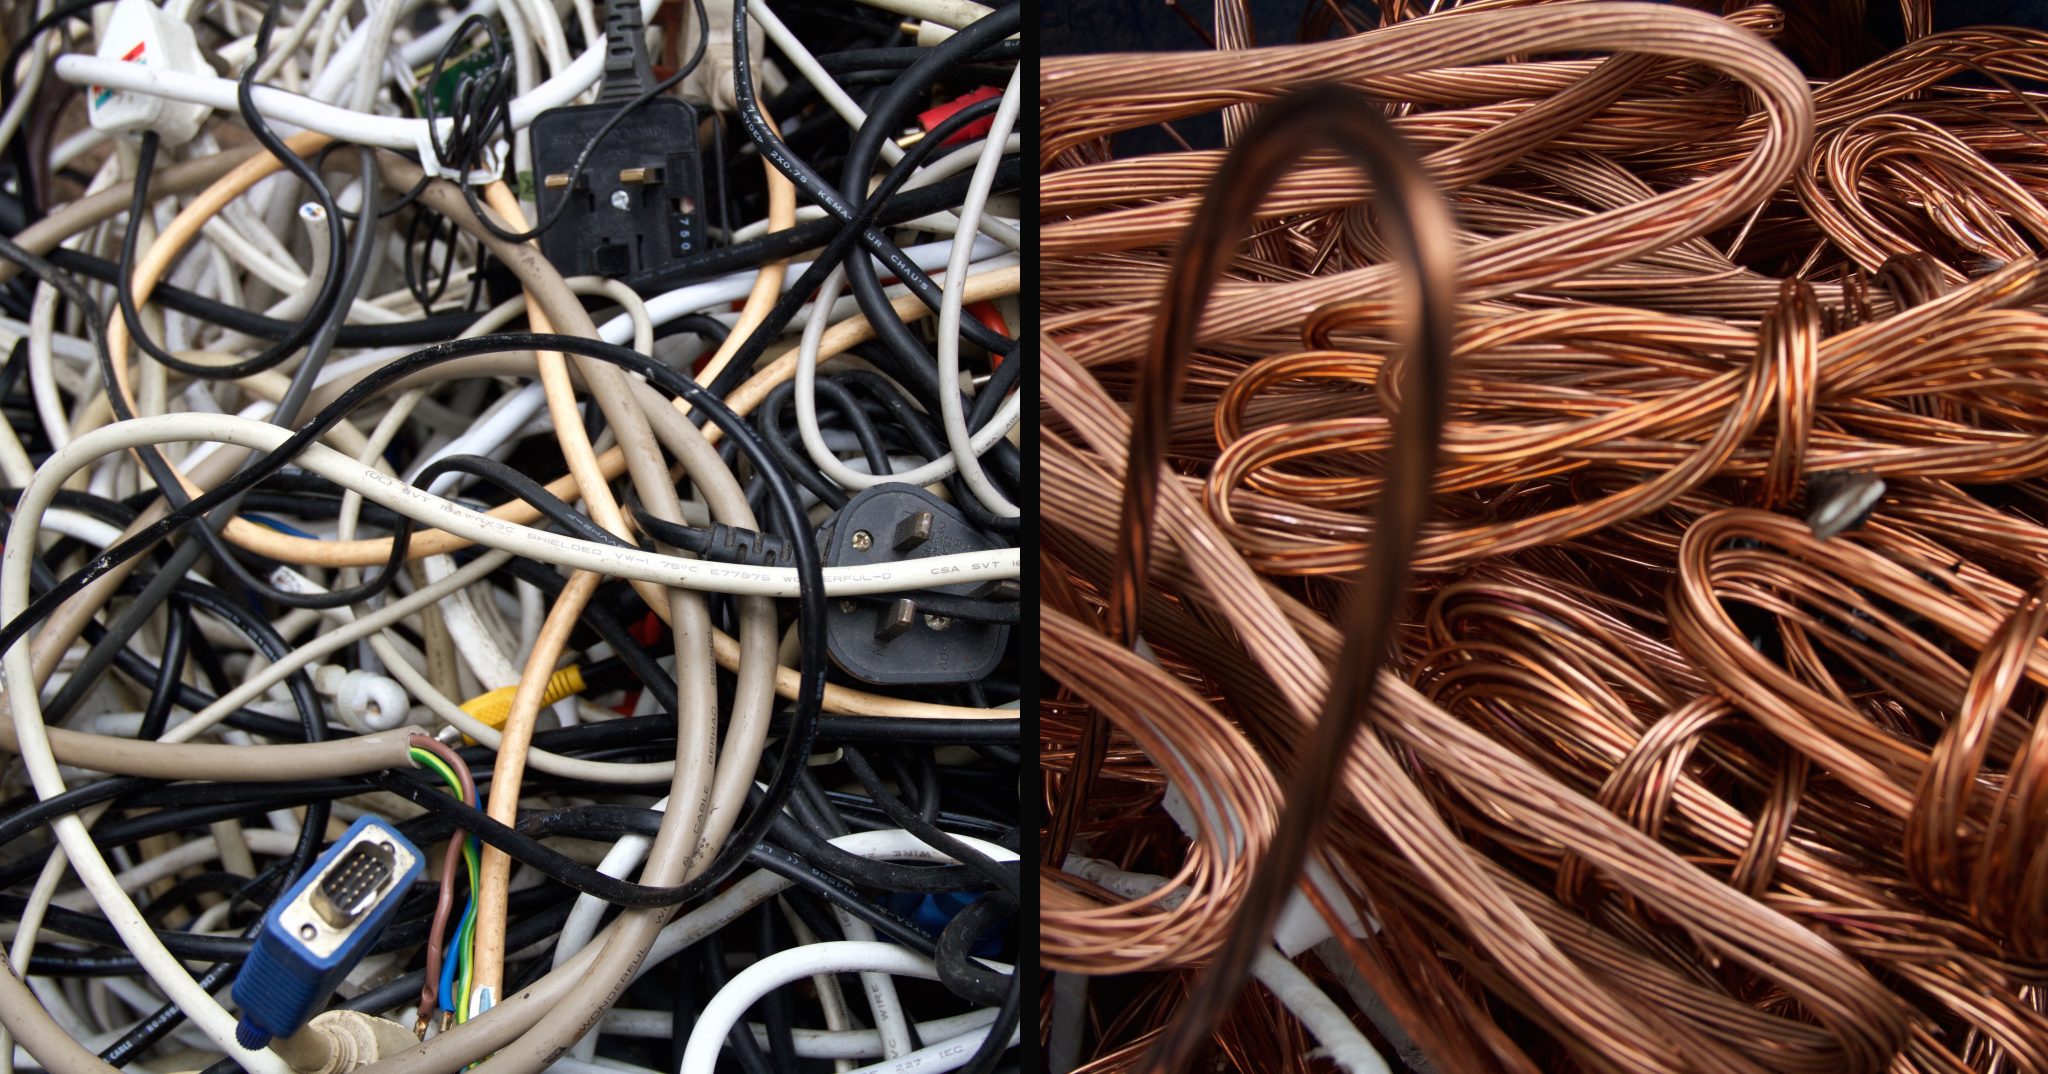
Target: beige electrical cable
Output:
{"points": [[686, 612], [561, 396], [570, 433], [157, 258], [366, 552], [767, 285], [47, 234], [855, 330], [508, 771], [283, 547]]}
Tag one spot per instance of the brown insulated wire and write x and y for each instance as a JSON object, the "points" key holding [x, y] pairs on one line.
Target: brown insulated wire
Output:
{"points": [[1421, 234]]}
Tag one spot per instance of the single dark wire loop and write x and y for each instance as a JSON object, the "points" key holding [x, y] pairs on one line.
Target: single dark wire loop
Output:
{"points": [[1418, 229]]}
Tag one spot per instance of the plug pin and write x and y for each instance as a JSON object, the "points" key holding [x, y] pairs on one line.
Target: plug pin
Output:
{"points": [[635, 175], [898, 617], [914, 530], [557, 181]]}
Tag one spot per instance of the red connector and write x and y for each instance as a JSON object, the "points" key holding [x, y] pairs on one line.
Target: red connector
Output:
{"points": [[932, 117]]}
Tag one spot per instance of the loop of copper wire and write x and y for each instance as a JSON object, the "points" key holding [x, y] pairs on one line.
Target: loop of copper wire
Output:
{"points": [[1640, 795], [1421, 230]]}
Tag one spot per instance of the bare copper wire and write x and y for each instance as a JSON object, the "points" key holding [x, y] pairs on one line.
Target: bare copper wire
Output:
{"points": [[1656, 779]]}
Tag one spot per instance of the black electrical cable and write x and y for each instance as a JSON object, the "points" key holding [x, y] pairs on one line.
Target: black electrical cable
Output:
{"points": [[925, 782], [702, 325], [958, 971], [185, 892], [776, 1009], [887, 110], [810, 573], [160, 1022], [850, 412], [859, 224], [810, 234], [723, 176], [867, 872], [793, 462], [306, 507], [864, 810], [745, 1049], [40, 814], [583, 158], [897, 58], [139, 207], [248, 322], [998, 1040], [1005, 879], [163, 694], [927, 439], [520, 487], [881, 118]]}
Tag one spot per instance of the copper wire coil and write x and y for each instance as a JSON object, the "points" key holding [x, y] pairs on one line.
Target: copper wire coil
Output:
{"points": [[1657, 778]]}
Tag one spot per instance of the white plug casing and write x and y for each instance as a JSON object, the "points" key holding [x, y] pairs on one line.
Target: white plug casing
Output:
{"points": [[140, 32]]}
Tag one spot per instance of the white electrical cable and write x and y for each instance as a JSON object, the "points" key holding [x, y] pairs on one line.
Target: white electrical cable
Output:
{"points": [[93, 871], [255, 685], [700, 1055], [967, 451], [429, 510], [1327, 1022], [810, 1043], [821, 453], [935, 1058], [294, 110], [955, 14], [42, 366]]}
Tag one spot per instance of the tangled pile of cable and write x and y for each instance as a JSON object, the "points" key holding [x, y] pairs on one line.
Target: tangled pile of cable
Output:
{"points": [[1545, 547], [614, 670]]}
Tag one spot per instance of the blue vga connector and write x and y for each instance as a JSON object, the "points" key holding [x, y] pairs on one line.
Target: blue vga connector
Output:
{"points": [[321, 928]]}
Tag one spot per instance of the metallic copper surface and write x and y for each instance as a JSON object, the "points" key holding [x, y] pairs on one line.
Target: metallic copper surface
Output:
{"points": [[1623, 764]]}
